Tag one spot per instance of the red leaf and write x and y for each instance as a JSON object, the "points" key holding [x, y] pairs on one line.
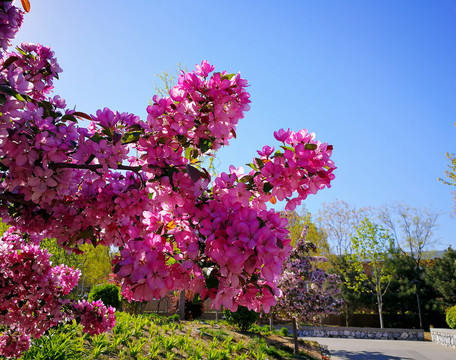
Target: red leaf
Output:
{"points": [[81, 114], [26, 5]]}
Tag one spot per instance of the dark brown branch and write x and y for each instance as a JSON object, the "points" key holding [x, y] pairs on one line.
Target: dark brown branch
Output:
{"points": [[90, 167], [14, 198]]}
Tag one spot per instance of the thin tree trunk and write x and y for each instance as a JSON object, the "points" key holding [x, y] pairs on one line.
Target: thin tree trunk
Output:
{"points": [[181, 310], [271, 321], [419, 307], [380, 309], [295, 337]]}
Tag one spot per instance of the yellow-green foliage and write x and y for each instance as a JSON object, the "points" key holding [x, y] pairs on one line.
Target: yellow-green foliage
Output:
{"points": [[451, 317]]}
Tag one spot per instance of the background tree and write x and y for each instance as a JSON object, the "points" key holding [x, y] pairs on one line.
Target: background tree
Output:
{"points": [[94, 263], [353, 301], [450, 173], [308, 292], [412, 228], [301, 219], [404, 292], [371, 247], [339, 220], [442, 277]]}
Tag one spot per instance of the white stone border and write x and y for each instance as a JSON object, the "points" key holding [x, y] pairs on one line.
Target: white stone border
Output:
{"points": [[362, 333], [445, 337]]}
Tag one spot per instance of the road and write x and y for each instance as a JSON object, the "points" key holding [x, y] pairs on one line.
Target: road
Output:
{"points": [[360, 349]]}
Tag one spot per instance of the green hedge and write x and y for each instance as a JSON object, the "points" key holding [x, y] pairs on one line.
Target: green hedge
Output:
{"points": [[108, 293], [243, 318]]}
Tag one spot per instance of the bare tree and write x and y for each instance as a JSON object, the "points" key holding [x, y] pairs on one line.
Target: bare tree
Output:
{"points": [[340, 221], [412, 228]]}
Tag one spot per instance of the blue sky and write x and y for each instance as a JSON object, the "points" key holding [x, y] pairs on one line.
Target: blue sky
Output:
{"points": [[376, 79]]}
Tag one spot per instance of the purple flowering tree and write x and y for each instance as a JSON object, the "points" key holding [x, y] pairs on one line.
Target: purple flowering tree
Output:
{"points": [[308, 292]]}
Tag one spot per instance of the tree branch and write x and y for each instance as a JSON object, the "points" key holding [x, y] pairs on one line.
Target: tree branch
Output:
{"points": [[14, 198], [90, 167]]}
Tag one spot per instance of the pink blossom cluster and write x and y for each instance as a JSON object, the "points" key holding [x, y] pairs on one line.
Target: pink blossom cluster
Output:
{"points": [[32, 295], [308, 292], [204, 111], [30, 70], [13, 344], [303, 168], [94, 316], [140, 184], [10, 21]]}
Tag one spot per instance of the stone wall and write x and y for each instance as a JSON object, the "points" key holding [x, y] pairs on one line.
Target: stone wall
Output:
{"points": [[445, 337], [362, 333]]}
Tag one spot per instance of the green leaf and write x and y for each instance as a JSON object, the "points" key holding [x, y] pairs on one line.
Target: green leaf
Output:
{"points": [[21, 51], [96, 138], [267, 187], [205, 145], [188, 153], [228, 76], [130, 137], [311, 146], [6, 89], [288, 148], [134, 127], [2, 99], [246, 178], [3, 167], [259, 163], [212, 282], [253, 166]]}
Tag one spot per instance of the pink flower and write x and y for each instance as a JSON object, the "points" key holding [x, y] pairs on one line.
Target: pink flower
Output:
{"points": [[282, 135]]}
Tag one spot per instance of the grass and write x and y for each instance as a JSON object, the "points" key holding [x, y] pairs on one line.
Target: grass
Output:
{"points": [[150, 336]]}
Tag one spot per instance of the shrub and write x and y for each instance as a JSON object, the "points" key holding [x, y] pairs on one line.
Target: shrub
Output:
{"points": [[451, 317], [243, 318], [108, 293], [284, 331]]}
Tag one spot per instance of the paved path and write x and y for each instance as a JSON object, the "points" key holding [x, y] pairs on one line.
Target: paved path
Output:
{"points": [[359, 349]]}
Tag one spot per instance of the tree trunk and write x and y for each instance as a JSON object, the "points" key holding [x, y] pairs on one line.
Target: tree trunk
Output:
{"points": [[380, 309], [181, 309], [271, 322], [419, 306], [295, 337]]}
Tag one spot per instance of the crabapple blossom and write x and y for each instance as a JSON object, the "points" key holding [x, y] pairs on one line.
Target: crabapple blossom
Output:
{"points": [[32, 295], [140, 184], [94, 316]]}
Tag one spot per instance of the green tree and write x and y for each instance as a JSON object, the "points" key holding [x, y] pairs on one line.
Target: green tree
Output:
{"points": [[297, 221], [450, 173], [353, 300], [442, 277], [407, 291], [371, 247], [94, 263]]}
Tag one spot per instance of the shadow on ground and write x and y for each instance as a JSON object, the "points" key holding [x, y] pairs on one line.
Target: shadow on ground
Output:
{"points": [[364, 355]]}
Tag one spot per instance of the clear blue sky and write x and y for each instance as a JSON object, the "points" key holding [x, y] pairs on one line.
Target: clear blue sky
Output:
{"points": [[377, 79]]}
